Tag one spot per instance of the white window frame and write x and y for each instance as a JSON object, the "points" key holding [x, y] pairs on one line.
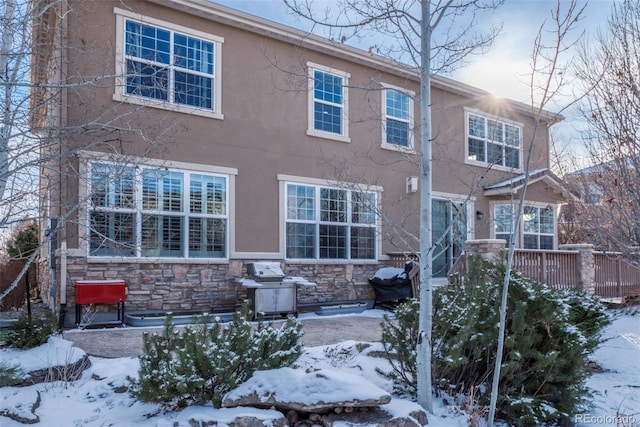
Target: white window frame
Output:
{"points": [[311, 131], [520, 233], [187, 169], [317, 184], [120, 94], [493, 119], [410, 122]]}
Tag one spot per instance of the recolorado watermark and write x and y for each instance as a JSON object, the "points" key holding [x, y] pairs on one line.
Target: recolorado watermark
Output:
{"points": [[617, 420]]}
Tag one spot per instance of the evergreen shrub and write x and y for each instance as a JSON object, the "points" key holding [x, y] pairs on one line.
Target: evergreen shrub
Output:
{"points": [[10, 374], [29, 331], [204, 362], [549, 337]]}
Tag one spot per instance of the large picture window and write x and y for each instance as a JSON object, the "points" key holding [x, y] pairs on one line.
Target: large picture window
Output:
{"points": [[329, 223], [328, 103], [169, 66], [493, 142], [152, 212], [538, 225]]}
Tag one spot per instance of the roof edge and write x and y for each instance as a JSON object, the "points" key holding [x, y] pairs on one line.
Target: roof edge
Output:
{"points": [[236, 18]]}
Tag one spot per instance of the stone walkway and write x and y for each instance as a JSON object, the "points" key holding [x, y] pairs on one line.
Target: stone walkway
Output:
{"points": [[127, 341]]}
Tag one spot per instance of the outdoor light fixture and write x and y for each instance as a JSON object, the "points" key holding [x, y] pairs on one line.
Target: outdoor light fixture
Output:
{"points": [[412, 184], [479, 215]]}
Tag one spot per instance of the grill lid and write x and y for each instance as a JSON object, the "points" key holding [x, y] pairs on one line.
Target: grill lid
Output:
{"points": [[265, 271]]}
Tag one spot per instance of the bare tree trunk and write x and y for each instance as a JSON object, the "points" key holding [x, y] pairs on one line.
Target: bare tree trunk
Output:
{"points": [[548, 68], [5, 126], [423, 357]]}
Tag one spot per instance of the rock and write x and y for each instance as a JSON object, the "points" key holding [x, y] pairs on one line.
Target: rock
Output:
{"points": [[292, 417], [420, 416], [400, 422], [317, 392], [248, 422], [69, 372], [21, 406]]}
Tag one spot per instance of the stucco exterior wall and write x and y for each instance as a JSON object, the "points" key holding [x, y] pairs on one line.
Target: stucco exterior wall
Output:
{"points": [[263, 136]]}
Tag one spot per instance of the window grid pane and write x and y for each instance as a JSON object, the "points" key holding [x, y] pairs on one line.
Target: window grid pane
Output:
{"points": [[328, 102], [154, 59], [162, 236], [194, 90], [547, 221], [476, 150], [193, 54], [397, 133], [495, 131], [327, 87], [207, 238], [112, 186], [512, 158], [363, 208], [301, 240], [503, 217], [111, 234], [147, 80], [114, 233], [333, 205], [147, 42], [397, 105], [494, 154], [362, 242], [531, 220], [335, 234], [476, 126], [493, 142], [327, 118], [300, 202], [207, 195], [333, 240]]}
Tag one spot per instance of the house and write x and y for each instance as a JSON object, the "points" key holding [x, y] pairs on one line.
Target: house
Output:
{"points": [[189, 139], [605, 214]]}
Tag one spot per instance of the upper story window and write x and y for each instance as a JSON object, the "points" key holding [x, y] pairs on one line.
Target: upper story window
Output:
{"points": [[538, 225], [397, 119], [329, 223], [493, 142], [328, 103], [157, 212], [168, 66]]}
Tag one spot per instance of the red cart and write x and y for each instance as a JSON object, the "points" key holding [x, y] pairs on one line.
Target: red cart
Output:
{"points": [[100, 292]]}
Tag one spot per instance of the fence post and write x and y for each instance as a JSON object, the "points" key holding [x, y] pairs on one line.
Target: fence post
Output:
{"points": [[488, 249], [586, 266]]}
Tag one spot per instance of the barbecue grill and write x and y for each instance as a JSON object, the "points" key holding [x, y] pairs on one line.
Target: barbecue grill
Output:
{"points": [[270, 290]]}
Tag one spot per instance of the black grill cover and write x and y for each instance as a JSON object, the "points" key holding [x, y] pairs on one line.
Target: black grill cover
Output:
{"points": [[391, 287]]}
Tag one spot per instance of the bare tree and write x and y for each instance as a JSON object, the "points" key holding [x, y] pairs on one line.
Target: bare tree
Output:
{"points": [[550, 61], [609, 216], [37, 145], [411, 26]]}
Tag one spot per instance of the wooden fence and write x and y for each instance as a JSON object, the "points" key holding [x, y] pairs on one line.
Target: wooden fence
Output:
{"points": [[555, 268], [614, 275]]}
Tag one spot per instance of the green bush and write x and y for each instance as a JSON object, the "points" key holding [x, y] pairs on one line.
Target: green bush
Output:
{"points": [[203, 363], [549, 336], [400, 340], [29, 332], [10, 374]]}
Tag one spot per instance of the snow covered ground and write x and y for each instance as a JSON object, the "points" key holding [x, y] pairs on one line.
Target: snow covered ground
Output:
{"points": [[99, 398]]}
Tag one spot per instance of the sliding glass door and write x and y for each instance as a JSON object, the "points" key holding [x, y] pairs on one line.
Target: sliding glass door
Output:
{"points": [[449, 228]]}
